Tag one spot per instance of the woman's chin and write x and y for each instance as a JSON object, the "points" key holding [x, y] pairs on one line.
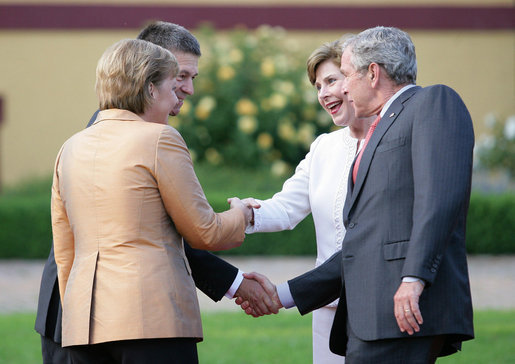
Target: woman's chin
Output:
{"points": [[341, 123]]}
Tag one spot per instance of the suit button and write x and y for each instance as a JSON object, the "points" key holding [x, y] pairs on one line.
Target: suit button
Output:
{"points": [[351, 225], [433, 270]]}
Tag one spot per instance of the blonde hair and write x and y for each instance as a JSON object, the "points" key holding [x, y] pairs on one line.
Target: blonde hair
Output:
{"points": [[125, 71]]}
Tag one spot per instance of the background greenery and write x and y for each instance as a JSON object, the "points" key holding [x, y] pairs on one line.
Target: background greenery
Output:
{"points": [[234, 338], [25, 230], [254, 106]]}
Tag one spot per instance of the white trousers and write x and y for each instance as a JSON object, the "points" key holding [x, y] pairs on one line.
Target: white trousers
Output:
{"points": [[322, 323]]}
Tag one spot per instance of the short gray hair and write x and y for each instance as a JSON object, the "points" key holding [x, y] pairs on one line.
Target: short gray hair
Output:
{"points": [[390, 48], [171, 36]]}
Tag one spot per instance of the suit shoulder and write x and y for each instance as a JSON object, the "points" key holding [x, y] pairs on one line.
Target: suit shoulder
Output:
{"points": [[170, 133], [439, 89], [438, 95], [156, 131]]}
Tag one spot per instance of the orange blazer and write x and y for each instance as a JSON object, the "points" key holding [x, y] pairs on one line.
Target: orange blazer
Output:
{"points": [[124, 195]]}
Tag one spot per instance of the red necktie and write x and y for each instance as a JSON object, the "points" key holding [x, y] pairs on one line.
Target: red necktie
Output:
{"points": [[367, 138]]}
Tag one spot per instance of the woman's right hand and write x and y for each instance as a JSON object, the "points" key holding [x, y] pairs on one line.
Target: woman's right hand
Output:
{"points": [[251, 202], [246, 208]]}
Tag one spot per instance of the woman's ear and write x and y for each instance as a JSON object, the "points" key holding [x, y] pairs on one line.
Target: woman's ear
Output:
{"points": [[151, 89]]}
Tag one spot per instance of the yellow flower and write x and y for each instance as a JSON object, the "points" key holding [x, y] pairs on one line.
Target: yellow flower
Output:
{"points": [[265, 105], [235, 55], [310, 96], [285, 87], [186, 107], [265, 141], [251, 41], [279, 168], [213, 156], [225, 73], [282, 63], [247, 124], [265, 30], [278, 101], [267, 67], [286, 131], [273, 155], [245, 107], [204, 107], [309, 113], [306, 134], [201, 113], [323, 118]]}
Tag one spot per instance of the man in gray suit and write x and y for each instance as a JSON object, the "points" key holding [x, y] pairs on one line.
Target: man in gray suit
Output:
{"points": [[402, 275], [212, 275]]}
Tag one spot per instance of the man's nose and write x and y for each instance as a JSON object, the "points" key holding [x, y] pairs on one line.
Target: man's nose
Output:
{"points": [[188, 88], [345, 90]]}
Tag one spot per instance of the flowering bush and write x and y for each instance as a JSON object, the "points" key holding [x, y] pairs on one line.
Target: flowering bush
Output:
{"points": [[497, 149], [253, 103]]}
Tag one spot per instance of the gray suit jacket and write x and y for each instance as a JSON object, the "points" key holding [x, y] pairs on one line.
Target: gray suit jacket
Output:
{"points": [[405, 216]]}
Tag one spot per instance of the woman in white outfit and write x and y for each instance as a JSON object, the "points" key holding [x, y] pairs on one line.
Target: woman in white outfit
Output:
{"points": [[319, 185]]}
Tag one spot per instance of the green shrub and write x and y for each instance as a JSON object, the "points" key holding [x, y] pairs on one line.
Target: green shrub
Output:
{"points": [[25, 226], [496, 150], [491, 224], [25, 230]]}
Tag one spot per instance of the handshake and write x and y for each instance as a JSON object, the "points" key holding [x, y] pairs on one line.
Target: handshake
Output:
{"points": [[257, 296]]}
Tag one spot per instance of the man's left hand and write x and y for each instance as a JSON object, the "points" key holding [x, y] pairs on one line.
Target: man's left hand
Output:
{"points": [[407, 312]]}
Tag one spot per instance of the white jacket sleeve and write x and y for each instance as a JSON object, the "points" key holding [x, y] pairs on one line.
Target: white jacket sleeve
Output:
{"points": [[289, 206]]}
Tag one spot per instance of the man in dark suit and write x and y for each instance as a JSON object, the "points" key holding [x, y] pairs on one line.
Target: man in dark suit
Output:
{"points": [[402, 275], [212, 275]]}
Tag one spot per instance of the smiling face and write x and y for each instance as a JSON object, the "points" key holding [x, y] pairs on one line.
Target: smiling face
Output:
{"points": [[164, 99], [188, 70], [328, 83]]}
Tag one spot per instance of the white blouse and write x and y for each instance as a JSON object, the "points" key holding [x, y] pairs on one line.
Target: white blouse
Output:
{"points": [[319, 186]]}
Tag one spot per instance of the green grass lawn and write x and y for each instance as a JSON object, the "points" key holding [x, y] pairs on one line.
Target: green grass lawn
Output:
{"points": [[234, 338]]}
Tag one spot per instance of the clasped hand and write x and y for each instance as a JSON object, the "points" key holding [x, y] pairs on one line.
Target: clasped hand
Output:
{"points": [[257, 296]]}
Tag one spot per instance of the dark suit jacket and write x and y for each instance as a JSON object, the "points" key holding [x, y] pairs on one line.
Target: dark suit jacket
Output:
{"points": [[212, 275], [405, 216]]}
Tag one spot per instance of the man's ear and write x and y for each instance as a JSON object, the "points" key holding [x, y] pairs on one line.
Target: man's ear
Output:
{"points": [[374, 71]]}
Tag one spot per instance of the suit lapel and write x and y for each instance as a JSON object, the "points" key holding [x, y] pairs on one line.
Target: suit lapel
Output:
{"points": [[386, 121]]}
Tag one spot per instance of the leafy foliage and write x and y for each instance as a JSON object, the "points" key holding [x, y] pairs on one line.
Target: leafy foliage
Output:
{"points": [[253, 104], [25, 229], [497, 150]]}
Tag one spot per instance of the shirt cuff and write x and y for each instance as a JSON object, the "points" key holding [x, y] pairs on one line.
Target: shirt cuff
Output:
{"points": [[235, 285], [284, 293], [410, 279], [257, 222]]}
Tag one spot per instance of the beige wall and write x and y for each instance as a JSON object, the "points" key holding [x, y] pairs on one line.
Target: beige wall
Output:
{"points": [[47, 83]]}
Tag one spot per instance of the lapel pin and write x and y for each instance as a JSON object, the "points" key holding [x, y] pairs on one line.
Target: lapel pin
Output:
{"points": [[392, 114]]}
